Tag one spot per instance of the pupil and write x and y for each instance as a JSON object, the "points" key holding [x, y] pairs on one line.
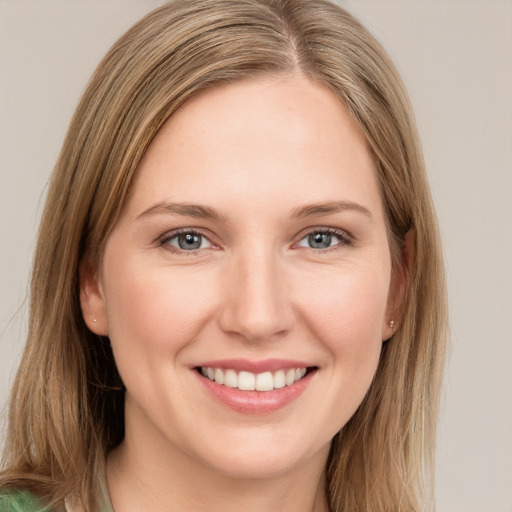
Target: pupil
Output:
{"points": [[320, 240], [189, 241]]}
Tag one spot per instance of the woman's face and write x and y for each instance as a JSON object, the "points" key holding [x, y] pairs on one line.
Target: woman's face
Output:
{"points": [[252, 249]]}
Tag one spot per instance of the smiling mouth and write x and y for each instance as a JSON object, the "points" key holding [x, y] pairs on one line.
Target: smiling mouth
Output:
{"points": [[248, 381]]}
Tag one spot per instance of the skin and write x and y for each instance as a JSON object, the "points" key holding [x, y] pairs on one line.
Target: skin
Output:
{"points": [[256, 152]]}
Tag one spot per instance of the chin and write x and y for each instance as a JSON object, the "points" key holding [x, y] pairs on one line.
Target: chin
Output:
{"points": [[256, 467], [264, 459]]}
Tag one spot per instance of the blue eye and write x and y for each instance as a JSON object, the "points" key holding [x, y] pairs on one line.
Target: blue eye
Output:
{"points": [[324, 240], [187, 241]]}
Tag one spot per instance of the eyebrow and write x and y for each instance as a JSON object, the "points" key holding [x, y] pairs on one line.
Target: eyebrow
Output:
{"points": [[185, 209], [206, 212], [311, 210]]}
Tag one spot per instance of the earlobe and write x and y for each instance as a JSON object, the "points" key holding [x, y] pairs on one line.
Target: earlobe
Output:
{"points": [[398, 287], [92, 301]]}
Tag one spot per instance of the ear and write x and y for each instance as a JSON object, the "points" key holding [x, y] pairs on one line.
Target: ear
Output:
{"points": [[399, 276], [92, 300]]}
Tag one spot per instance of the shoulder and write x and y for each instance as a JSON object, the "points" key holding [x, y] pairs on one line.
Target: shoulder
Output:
{"points": [[20, 501]]}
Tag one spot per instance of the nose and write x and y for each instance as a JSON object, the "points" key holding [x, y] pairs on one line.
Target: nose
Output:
{"points": [[256, 303]]}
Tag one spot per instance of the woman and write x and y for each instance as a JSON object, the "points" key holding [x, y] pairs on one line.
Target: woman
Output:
{"points": [[238, 292]]}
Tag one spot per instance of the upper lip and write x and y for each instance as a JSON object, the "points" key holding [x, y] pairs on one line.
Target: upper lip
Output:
{"points": [[266, 365]]}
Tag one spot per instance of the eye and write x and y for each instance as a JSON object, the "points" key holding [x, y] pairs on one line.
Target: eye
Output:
{"points": [[187, 241], [324, 239]]}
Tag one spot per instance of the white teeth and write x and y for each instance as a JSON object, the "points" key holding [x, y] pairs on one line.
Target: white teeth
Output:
{"points": [[219, 376], [230, 379], [279, 379], [264, 382], [290, 377], [248, 381]]}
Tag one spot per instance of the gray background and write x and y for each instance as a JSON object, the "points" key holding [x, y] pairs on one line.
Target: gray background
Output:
{"points": [[455, 57]]}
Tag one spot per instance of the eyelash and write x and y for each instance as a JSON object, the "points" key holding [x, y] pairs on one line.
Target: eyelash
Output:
{"points": [[345, 240]]}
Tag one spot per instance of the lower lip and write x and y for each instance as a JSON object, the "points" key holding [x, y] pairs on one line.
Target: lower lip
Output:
{"points": [[255, 402]]}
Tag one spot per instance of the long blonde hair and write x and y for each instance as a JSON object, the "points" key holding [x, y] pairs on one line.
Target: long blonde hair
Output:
{"points": [[66, 409]]}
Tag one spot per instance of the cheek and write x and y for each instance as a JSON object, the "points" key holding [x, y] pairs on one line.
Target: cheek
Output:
{"points": [[346, 316], [344, 312], [152, 311], [347, 308]]}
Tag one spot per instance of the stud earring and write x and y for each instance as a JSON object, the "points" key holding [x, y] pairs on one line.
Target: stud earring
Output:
{"points": [[94, 319], [391, 324]]}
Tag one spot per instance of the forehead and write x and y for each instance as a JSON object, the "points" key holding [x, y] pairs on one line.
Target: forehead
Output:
{"points": [[255, 140]]}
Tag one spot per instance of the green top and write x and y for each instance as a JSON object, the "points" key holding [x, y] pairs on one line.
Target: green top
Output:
{"points": [[20, 501], [24, 501]]}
